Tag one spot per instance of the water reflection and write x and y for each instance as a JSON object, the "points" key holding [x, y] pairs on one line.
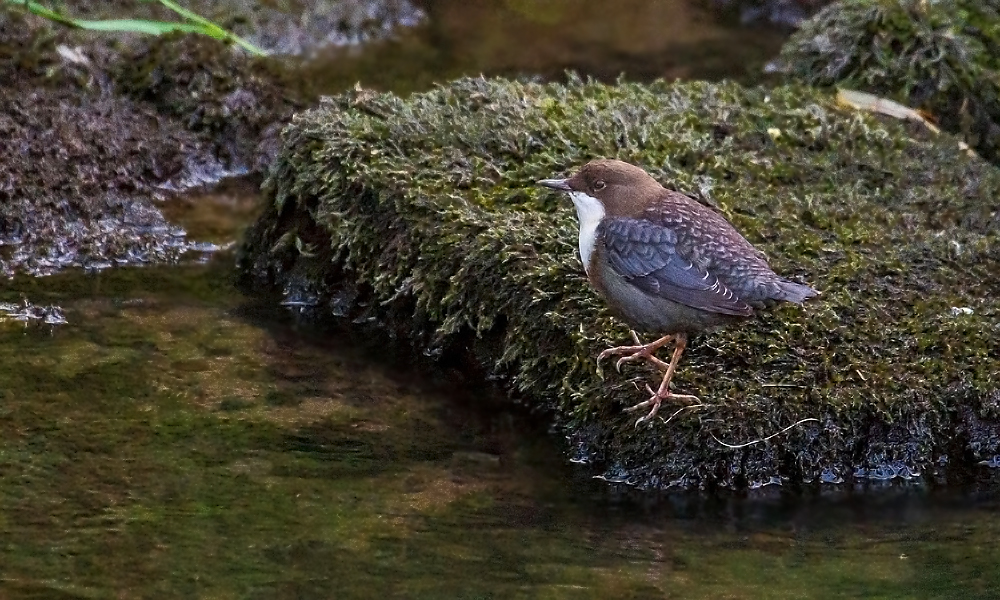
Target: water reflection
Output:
{"points": [[642, 39], [175, 438]]}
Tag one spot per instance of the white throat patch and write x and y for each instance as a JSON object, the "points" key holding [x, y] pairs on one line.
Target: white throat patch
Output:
{"points": [[589, 211]]}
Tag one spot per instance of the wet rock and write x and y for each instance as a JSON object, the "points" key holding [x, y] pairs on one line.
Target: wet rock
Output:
{"points": [[95, 135], [942, 57], [306, 27], [78, 163], [790, 13], [26, 312], [235, 103], [299, 28], [421, 215]]}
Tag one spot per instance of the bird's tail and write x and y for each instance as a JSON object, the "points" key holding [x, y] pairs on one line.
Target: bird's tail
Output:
{"points": [[794, 292]]}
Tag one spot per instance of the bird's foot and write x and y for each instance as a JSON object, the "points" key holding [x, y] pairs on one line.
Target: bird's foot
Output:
{"points": [[639, 351], [656, 399]]}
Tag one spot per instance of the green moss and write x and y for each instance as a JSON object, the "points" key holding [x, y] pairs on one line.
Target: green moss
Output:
{"points": [[422, 214], [943, 57]]}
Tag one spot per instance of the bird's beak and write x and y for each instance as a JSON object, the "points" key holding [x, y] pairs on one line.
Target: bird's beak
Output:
{"points": [[556, 184]]}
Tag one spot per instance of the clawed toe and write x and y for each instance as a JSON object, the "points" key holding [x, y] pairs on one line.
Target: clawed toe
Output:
{"points": [[628, 351], [631, 353], [637, 352], [645, 352], [656, 399], [640, 355]]}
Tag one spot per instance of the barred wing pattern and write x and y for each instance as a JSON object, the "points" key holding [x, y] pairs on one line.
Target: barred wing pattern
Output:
{"points": [[647, 256]]}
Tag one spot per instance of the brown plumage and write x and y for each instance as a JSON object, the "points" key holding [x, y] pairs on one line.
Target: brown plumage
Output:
{"points": [[665, 264]]}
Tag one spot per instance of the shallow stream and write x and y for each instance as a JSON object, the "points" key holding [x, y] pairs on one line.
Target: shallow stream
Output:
{"points": [[176, 438]]}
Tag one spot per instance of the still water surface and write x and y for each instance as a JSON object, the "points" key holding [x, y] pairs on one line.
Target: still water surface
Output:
{"points": [[176, 438], [640, 40]]}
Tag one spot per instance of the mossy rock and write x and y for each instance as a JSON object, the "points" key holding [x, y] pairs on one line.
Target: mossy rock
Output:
{"points": [[421, 214], [90, 148], [942, 56]]}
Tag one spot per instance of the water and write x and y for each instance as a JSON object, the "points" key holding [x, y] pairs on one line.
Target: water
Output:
{"points": [[175, 438], [639, 39]]}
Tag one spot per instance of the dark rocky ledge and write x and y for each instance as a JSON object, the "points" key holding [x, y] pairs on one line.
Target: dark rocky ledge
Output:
{"points": [[421, 215]]}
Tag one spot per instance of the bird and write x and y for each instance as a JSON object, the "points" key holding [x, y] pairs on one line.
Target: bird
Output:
{"points": [[665, 264]]}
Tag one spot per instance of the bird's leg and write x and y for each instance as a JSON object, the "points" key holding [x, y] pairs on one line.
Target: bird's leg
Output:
{"points": [[664, 393], [638, 352]]}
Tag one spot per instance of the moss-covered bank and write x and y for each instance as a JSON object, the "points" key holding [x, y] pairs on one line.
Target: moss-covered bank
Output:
{"points": [[94, 132], [942, 56], [421, 214]]}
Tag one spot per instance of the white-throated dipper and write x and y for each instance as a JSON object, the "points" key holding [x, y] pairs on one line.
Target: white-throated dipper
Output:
{"points": [[665, 264]]}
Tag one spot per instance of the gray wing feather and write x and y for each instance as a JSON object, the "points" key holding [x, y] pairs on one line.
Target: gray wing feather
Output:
{"points": [[646, 255]]}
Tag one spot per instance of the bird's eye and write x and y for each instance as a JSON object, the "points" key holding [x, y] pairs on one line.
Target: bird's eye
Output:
{"points": [[599, 185]]}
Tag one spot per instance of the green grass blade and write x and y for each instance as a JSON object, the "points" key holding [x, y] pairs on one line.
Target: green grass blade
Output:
{"points": [[41, 11], [199, 24], [187, 14], [222, 34], [140, 26]]}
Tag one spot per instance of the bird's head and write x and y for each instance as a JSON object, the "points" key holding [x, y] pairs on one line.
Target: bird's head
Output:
{"points": [[614, 187]]}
